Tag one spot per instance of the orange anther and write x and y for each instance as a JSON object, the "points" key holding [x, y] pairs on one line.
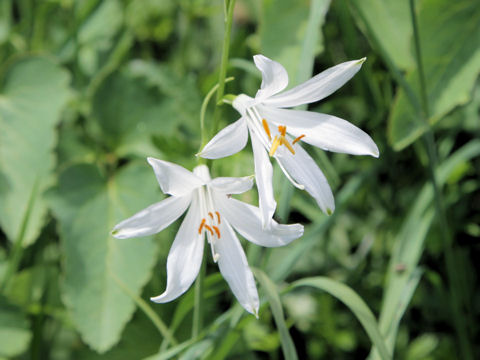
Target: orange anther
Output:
{"points": [[266, 128], [201, 226], [218, 217], [297, 139], [282, 130], [209, 229], [217, 231], [211, 215]]}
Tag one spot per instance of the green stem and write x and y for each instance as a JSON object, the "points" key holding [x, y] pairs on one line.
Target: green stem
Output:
{"points": [[223, 66], [147, 310], [429, 139], [198, 301], [203, 111], [17, 251]]}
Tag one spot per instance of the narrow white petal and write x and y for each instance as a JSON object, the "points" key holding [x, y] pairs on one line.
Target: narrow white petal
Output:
{"points": [[233, 265], [263, 174], [152, 219], [174, 179], [246, 219], [303, 170], [228, 141], [185, 256], [318, 87], [274, 77], [232, 185], [324, 131]]}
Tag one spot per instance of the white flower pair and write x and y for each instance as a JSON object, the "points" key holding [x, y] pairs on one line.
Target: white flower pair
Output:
{"points": [[274, 131]]}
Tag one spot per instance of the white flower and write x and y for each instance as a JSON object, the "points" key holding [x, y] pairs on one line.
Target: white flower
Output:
{"points": [[211, 212], [277, 131]]}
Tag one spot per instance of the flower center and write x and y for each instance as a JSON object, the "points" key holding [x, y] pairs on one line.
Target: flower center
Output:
{"points": [[280, 139], [211, 225]]}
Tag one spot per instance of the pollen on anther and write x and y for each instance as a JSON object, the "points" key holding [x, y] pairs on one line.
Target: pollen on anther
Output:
{"points": [[202, 224], [209, 229], [211, 215], [218, 217], [266, 128], [298, 139], [217, 230], [282, 130], [275, 144]]}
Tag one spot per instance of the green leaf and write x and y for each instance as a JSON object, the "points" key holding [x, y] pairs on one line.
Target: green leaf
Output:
{"points": [[403, 274], [288, 347], [451, 66], [14, 330], [33, 93], [355, 304], [388, 25], [140, 102], [290, 34], [87, 206]]}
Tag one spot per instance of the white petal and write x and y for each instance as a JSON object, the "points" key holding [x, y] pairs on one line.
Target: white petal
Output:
{"points": [[325, 131], [185, 256], [263, 174], [274, 77], [174, 179], [318, 87], [232, 185], [234, 268], [228, 141], [246, 219], [303, 170], [242, 102], [153, 219]]}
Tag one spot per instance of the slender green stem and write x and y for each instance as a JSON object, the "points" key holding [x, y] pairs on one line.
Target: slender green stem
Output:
{"points": [[429, 139], [203, 111], [223, 66], [198, 300], [17, 250], [147, 310]]}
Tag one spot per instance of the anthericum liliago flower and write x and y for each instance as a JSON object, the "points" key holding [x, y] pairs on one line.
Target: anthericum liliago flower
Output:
{"points": [[277, 132], [211, 212]]}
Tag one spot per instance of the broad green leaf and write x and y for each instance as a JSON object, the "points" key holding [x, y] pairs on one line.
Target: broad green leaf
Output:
{"points": [[290, 33], [387, 23], [451, 66], [87, 205], [140, 102], [403, 273], [354, 302], [14, 330], [33, 93], [288, 347]]}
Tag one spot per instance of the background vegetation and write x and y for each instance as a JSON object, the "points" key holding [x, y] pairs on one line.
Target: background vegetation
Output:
{"points": [[89, 88]]}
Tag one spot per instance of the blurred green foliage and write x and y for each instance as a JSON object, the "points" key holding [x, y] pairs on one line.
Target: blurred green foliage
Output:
{"points": [[89, 88]]}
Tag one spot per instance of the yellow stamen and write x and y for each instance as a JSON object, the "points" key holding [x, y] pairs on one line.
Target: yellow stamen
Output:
{"points": [[275, 144], [209, 229], [201, 226], [282, 130], [297, 139], [211, 215], [285, 142], [217, 231], [266, 128], [218, 217]]}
